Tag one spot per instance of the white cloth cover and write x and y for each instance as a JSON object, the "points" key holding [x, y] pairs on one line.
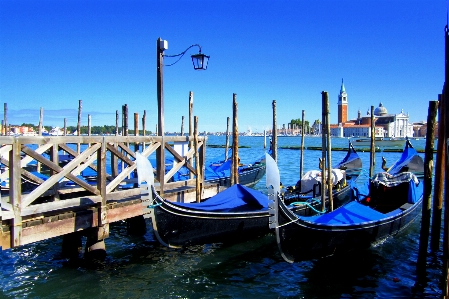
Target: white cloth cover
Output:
{"points": [[312, 177]]}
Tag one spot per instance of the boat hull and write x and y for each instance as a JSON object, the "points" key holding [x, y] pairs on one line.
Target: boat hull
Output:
{"points": [[249, 177], [298, 239], [177, 227], [383, 142]]}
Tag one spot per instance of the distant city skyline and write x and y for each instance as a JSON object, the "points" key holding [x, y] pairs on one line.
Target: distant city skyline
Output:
{"points": [[55, 53]]}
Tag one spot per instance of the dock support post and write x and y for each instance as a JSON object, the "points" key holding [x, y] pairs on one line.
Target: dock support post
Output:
{"points": [[301, 164], [136, 226], [372, 148], [182, 125], [227, 139], [95, 246], [199, 177], [114, 159], [190, 129], [328, 152], [235, 143], [5, 120], [445, 271], [323, 153], [274, 135], [78, 126], [71, 245], [144, 127], [439, 179], [426, 204]]}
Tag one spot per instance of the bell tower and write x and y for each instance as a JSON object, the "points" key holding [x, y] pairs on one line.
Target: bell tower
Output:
{"points": [[342, 105]]}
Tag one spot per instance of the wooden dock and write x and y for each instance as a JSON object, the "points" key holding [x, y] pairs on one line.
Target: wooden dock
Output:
{"points": [[55, 207]]}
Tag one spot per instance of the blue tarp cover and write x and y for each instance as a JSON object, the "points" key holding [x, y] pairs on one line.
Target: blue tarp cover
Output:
{"points": [[237, 198], [355, 212], [351, 213]]}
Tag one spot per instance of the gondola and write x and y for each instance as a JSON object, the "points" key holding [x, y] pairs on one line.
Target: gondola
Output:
{"points": [[307, 191], [249, 174], [235, 214], [390, 202]]}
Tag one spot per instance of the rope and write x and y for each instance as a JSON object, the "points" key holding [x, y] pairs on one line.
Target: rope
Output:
{"points": [[153, 206]]}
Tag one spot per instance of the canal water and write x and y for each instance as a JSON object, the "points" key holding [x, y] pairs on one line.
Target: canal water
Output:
{"points": [[139, 267]]}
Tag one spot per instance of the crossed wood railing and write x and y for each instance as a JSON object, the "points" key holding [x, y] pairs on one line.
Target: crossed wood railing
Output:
{"points": [[94, 152]]}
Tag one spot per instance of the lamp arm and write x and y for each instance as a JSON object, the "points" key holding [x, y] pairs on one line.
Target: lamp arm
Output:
{"points": [[182, 54]]}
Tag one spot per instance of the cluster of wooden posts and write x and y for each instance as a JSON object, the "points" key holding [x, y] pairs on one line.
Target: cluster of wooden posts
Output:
{"points": [[56, 208]]}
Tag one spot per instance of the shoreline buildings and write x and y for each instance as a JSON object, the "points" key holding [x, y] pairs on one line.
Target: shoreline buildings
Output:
{"points": [[386, 125]]}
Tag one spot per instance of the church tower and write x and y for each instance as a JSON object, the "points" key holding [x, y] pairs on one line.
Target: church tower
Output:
{"points": [[342, 104]]}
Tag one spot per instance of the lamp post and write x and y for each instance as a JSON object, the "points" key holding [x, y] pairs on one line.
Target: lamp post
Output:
{"points": [[200, 62]]}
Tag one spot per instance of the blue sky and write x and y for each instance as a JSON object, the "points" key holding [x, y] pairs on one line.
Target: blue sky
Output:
{"points": [[55, 53]]}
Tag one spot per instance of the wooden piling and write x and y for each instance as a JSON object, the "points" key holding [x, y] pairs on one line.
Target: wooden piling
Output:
{"points": [[5, 119], [95, 247], [197, 161], [264, 139], [274, 135], [372, 147], [446, 198], [301, 164], [41, 125], [41, 121], [78, 126], [136, 226], [227, 138], [114, 159], [439, 179], [426, 204], [116, 122], [190, 127], [329, 153], [71, 245], [182, 125], [89, 125], [144, 127], [125, 120], [136, 130], [323, 152], [235, 143]]}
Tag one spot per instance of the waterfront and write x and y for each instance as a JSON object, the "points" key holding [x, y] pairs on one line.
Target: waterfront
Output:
{"points": [[140, 267]]}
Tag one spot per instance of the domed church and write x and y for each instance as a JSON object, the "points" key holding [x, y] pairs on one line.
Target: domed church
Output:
{"points": [[386, 125]]}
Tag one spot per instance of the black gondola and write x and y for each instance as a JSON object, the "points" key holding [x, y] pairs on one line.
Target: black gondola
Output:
{"points": [[235, 214], [391, 201]]}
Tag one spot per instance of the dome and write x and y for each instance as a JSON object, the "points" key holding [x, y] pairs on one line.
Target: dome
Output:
{"points": [[381, 110]]}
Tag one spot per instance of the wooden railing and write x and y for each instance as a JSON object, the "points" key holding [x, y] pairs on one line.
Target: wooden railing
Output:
{"points": [[94, 152]]}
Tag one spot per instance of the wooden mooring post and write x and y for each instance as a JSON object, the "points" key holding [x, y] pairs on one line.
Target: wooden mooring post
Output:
{"points": [[274, 135], [5, 119], [372, 156], [323, 152], [228, 120], [301, 163], [235, 142], [440, 166], [446, 136], [328, 152], [427, 204]]}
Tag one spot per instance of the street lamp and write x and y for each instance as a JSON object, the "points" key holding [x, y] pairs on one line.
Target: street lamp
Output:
{"points": [[200, 62]]}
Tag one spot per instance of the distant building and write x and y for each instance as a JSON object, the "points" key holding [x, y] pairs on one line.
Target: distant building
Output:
{"points": [[342, 105], [386, 125]]}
